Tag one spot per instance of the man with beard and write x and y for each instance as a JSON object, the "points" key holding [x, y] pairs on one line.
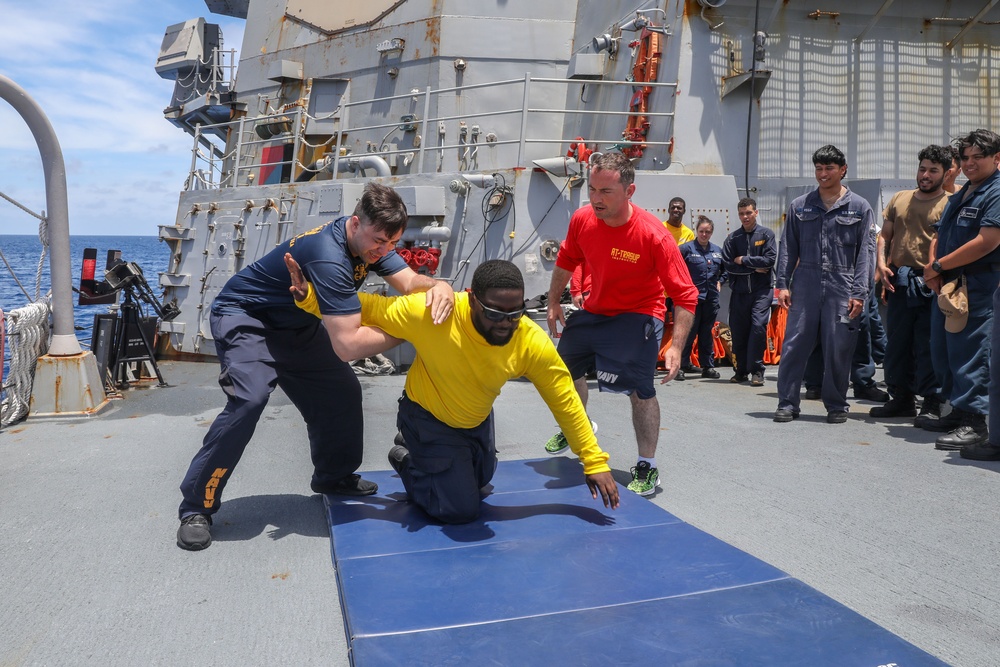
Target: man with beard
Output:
{"points": [[905, 241], [445, 450]]}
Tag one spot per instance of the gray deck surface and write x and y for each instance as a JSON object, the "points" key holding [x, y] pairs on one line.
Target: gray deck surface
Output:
{"points": [[868, 513]]}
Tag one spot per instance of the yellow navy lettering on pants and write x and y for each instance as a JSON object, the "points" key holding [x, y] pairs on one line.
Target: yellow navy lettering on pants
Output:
{"points": [[213, 483]]}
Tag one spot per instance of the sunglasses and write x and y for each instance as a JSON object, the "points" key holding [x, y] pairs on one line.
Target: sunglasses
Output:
{"points": [[494, 315]]}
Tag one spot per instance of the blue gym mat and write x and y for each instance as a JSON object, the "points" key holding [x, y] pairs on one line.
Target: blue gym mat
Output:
{"points": [[548, 576]]}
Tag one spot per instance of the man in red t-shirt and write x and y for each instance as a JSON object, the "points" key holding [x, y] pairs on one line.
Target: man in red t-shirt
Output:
{"points": [[632, 259]]}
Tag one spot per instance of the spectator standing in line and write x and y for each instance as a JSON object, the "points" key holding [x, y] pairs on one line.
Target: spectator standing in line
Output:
{"points": [[903, 250], [675, 221], [966, 250], [704, 262], [748, 255], [826, 262], [681, 235]]}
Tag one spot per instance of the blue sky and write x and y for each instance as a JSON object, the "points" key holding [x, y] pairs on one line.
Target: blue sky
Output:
{"points": [[89, 65]]}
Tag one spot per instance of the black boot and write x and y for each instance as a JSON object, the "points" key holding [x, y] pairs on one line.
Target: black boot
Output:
{"points": [[931, 406], [929, 418], [871, 393], [897, 406], [971, 432]]}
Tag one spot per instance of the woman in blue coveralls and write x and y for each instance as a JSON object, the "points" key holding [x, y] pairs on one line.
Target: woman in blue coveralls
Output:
{"points": [[704, 261]]}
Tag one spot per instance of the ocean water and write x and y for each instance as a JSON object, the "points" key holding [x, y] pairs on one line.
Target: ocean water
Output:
{"points": [[23, 251]]}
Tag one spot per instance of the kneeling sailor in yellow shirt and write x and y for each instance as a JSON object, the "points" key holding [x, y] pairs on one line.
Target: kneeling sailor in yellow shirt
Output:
{"points": [[445, 451]]}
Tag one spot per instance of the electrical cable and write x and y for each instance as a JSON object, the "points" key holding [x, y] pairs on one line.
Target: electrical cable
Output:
{"points": [[753, 82]]}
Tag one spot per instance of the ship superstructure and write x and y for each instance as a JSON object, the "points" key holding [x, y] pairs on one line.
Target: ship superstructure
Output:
{"points": [[484, 113]]}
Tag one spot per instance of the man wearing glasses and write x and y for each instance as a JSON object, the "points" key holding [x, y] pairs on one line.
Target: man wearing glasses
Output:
{"points": [[445, 451], [966, 248]]}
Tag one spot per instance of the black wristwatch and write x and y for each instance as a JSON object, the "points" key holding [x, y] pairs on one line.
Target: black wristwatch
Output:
{"points": [[936, 265]]}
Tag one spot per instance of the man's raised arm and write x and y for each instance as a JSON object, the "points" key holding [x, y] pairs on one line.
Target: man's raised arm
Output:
{"points": [[349, 339]]}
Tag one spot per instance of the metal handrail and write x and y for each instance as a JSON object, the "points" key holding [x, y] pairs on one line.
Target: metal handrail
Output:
{"points": [[245, 145]]}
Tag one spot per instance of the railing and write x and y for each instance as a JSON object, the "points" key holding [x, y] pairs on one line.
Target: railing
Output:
{"points": [[218, 169], [215, 75]]}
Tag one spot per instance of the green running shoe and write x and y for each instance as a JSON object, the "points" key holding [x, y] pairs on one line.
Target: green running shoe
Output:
{"points": [[558, 442], [644, 479]]}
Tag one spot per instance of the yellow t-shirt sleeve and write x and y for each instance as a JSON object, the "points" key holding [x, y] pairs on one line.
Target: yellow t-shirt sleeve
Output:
{"points": [[376, 310], [548, 373], [310, 304]]}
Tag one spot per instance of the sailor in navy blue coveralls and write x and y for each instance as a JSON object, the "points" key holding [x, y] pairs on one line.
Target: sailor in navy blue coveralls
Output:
{"points": [[962, 360], [827, 260], [752, 291], [705, 266]]}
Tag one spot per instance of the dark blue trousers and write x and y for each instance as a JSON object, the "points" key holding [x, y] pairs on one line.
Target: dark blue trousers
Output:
{"points": [[994, 389], [447, 466], [962, 360], [815, 319], [908, 367], [704, 322], [862, 360], [255, 359], [749, 313]]}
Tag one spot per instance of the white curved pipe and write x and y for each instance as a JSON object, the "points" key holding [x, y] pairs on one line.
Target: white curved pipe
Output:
{"points": [[428, 233], [363, 162], [64, 342]]}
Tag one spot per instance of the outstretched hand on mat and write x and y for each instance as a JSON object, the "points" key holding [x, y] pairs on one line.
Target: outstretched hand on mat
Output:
{"points": [[605, 483]]}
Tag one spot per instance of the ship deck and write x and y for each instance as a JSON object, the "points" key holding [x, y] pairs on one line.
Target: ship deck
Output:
{"points": [[867, 513]]}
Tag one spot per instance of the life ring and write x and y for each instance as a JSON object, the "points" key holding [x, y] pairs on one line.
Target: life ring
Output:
{"points": [[578, 150]]}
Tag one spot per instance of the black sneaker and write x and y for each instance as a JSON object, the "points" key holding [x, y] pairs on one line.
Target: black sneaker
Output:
{"points": [[680, 376], [710, 373], [897, 406], [813, 394], [871, 393], [399, 457], [352, 485], [194, 534], [739, 378], [757, 380]]}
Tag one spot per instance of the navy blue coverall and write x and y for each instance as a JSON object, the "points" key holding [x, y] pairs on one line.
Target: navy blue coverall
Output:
{"points": [[752, 294], [826, 258], [962, 360], [705, 267]]}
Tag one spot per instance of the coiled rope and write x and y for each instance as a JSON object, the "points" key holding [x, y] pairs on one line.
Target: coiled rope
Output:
{"points": [[28, 338]]}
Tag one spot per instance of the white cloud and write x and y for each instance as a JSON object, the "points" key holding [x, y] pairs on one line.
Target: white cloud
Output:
{"points": [[89, 65]]}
